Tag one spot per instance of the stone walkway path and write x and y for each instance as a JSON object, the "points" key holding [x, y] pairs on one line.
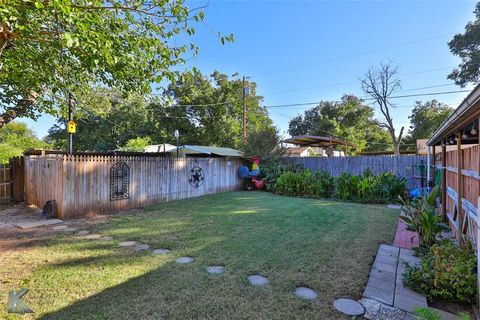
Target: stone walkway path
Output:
{"points": [[404, 238], [385, 283]]}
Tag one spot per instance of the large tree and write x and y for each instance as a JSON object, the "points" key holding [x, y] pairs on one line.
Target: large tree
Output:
{"points": [[467, 47], [426, 118], [15, 138], [350, 119], [50, 50], [380, 83], [206, 110]]}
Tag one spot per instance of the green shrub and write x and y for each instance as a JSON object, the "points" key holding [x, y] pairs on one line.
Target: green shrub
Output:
{"points": [[368, 188], [446, 272], [427, 314], [305, 184], [273, 168]]}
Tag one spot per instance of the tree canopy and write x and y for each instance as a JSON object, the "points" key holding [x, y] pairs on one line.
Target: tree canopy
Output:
{"points": [[467, 47], [16, 138], [52, 50], [206, 110], [350, 120], [427, 117]]}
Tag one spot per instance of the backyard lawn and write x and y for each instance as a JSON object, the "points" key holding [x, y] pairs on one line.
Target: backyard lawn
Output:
{"points": [[324, 245]]}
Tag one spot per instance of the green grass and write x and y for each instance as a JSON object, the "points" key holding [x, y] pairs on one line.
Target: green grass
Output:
{"points": [[325, 245]]}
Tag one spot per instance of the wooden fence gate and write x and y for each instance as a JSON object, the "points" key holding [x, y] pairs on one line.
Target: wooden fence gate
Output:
{"points": [[12, 181]]}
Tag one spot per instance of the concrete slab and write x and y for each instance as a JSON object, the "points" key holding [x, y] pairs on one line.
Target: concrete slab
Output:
{"points": [[383, 275], [383, 296], [408, 304], [394, 206], [381, 284], [26, 224], [388, 267], [388, 249], [388, 259]]}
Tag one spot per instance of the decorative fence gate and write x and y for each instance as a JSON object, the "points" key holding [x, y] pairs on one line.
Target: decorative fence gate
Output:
{"points": [[83, 184]]}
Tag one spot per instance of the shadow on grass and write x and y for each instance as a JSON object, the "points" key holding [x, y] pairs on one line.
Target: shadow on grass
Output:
{"points": [[309, 248]]}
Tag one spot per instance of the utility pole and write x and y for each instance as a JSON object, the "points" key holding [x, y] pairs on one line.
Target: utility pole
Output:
{"points": [[70, 119], [244, 112]]}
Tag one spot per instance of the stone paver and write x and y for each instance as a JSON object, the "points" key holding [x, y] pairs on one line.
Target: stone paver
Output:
{"points": [[394, 206], [257, 280], [106, 238], [69, 230], [216, 269], [92, 236], [26, 224], [349, 307], [60, 227], [405, 238], [305, 293], [83, 232], [161, 251], [127, 243], [141, 247], [383, 296], [184, 260]]}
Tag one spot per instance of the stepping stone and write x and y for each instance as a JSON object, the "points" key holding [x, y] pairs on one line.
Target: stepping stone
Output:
{"points": [[161, 251], [257, 280], [184, 260], [394, 206], [59, 227], [83, 232], [141, 247], [216, 269], [69, 230], [305, 293], [106, 238], [26, 224], [92, 236], [349, 307], [127, 243]]}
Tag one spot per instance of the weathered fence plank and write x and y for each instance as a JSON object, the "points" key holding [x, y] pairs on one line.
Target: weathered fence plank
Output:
{"points": [[406, 165], [81, 184]]}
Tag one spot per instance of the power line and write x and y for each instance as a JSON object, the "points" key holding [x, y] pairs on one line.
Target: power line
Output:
{"points": [[353, 55], [392, 97], [353, 82]]}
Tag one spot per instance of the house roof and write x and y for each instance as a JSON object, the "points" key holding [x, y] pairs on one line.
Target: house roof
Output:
{"points": [[219, 151], [463, 116], [317, 141], [297, 150]]}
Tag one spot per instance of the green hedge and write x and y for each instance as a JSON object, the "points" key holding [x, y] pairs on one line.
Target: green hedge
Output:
{"points": [[367, 188]]}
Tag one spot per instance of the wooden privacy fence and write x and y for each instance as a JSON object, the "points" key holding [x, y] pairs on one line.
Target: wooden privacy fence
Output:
{"points": [[462, 192], [404, 166], [12, 181], [83, 184], [5, 184]]}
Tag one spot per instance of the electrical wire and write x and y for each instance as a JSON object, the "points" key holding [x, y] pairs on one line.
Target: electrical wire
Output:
{"points": [[353, 55]]}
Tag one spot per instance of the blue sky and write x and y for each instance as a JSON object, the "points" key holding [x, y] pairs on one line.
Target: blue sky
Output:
{"points": [[307, 51]]}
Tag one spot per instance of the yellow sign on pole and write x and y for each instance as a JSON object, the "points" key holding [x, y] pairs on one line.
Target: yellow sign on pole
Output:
{"points": [[71, 126]]}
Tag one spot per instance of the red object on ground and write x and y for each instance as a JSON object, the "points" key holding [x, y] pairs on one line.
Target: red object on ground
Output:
{"points": [[259, 184], [404, 238]]}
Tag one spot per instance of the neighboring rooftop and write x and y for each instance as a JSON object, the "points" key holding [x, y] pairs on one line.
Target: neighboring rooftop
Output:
{"points": [[318, 141]]}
